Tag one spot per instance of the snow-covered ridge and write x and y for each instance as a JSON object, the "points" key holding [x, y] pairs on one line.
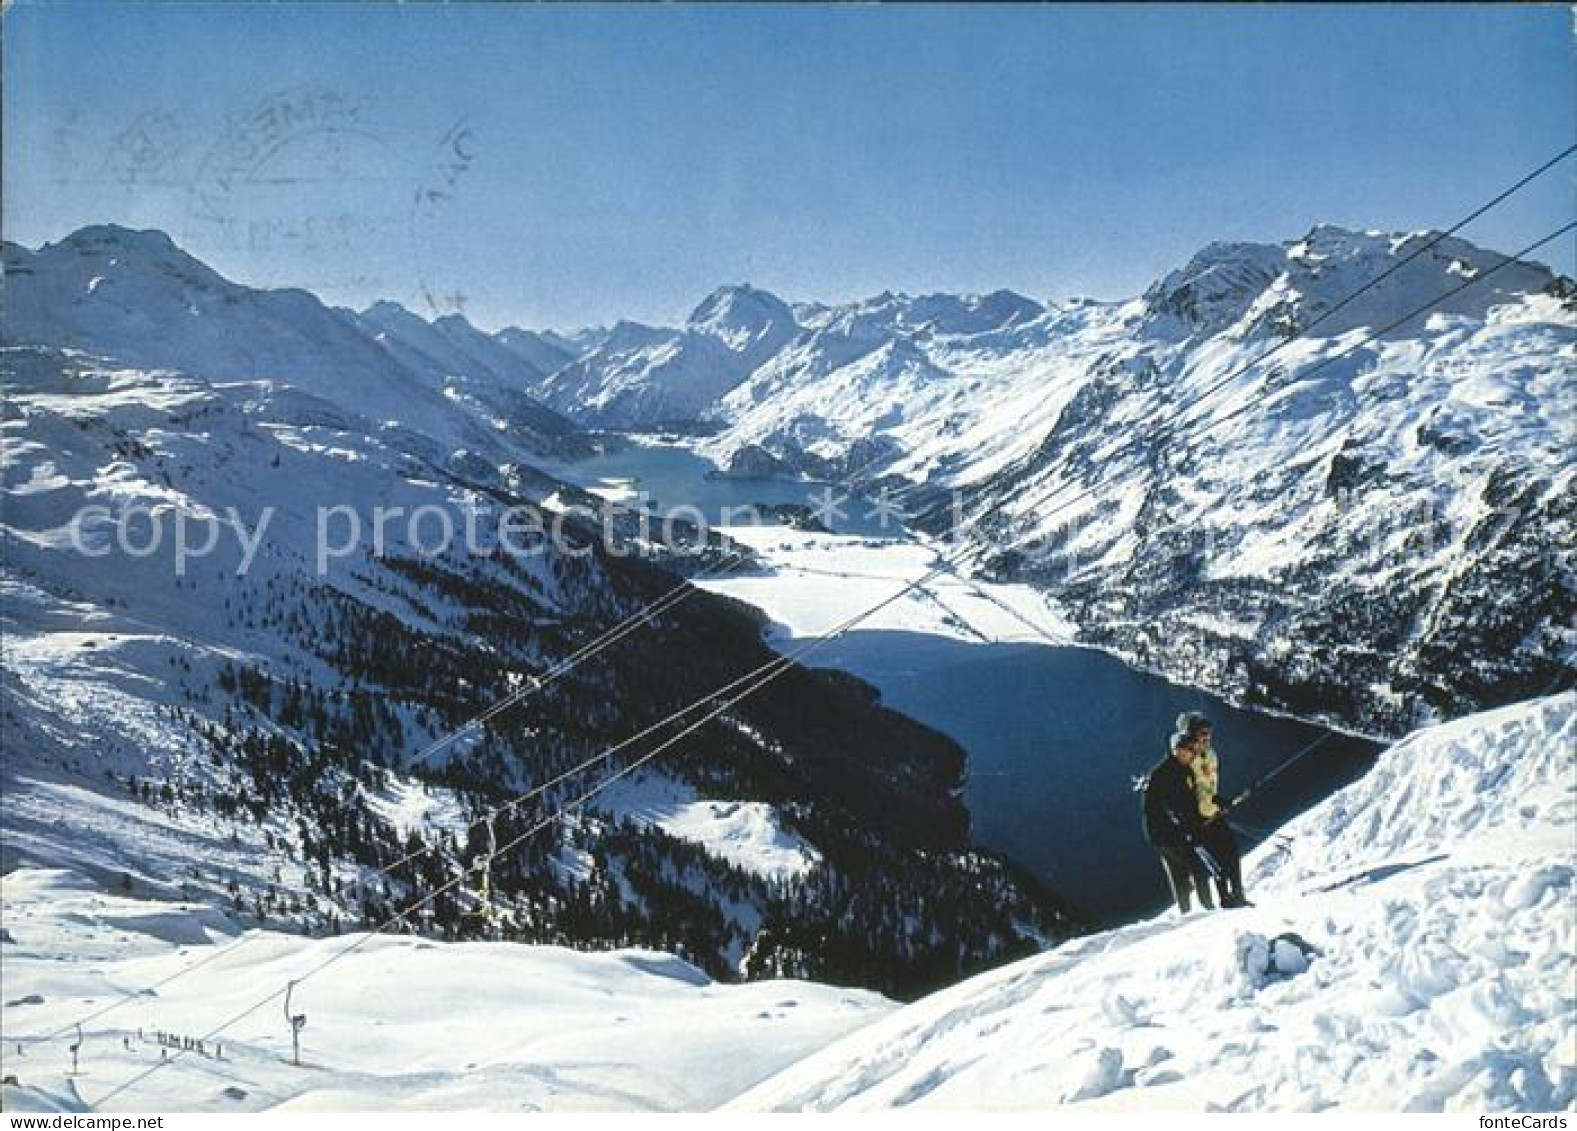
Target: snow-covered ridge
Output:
{"points": [[136, 298], [1290, 285], [1436, 968]]}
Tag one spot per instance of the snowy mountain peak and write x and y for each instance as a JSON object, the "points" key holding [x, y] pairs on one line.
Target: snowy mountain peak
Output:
{"points": [[745, 319], [113, 238], [1214, 288], [1286, 286], [132, 259]]}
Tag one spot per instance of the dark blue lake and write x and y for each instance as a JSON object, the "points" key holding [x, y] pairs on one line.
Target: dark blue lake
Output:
{"points": [[1055, 737]]}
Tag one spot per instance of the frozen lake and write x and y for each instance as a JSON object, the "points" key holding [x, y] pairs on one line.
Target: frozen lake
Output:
{"points": [[666, 475]]}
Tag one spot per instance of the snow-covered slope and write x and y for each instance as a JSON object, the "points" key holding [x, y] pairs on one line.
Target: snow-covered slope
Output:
{"points": [[400, 1023], [1435, 896], [641, 377], [1382, 539], [1413, 948]]}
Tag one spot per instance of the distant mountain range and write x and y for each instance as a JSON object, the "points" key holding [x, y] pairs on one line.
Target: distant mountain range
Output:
{"points": [[138, 299], [1376, 539]]}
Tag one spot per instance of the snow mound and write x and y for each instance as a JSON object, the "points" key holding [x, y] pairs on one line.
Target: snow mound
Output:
{"points": [[748, 834], [1483, 780], [1413, 948], [1263, 960]]}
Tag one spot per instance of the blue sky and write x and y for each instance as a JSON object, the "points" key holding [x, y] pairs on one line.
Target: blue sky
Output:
{"points": [[617, 162]]}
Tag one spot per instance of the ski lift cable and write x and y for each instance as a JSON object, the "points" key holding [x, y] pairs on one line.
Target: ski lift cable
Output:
{"points": [[764, 675], [1277, 770], [1216, 422], [1324, 363], [767, 674], [683, 590], [538, 683], [669, 600], [1303, 331], [778, 661], [685, 587], [1432, 241], [387, 869], [1428, 245]]}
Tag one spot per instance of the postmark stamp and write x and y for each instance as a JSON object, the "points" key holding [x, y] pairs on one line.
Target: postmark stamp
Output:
{"points": [[304, 175], [308, 187]]}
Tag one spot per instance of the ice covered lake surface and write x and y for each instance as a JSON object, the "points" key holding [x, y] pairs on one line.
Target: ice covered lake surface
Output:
{"points": [[665, 474], [1055, 734]]}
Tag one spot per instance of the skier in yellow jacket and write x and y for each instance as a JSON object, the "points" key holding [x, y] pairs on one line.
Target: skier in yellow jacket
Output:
{"points": [[1194, 731]]}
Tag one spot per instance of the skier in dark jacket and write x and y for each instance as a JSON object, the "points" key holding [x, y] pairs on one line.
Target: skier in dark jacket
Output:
{"points": [[1175, 829]]}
